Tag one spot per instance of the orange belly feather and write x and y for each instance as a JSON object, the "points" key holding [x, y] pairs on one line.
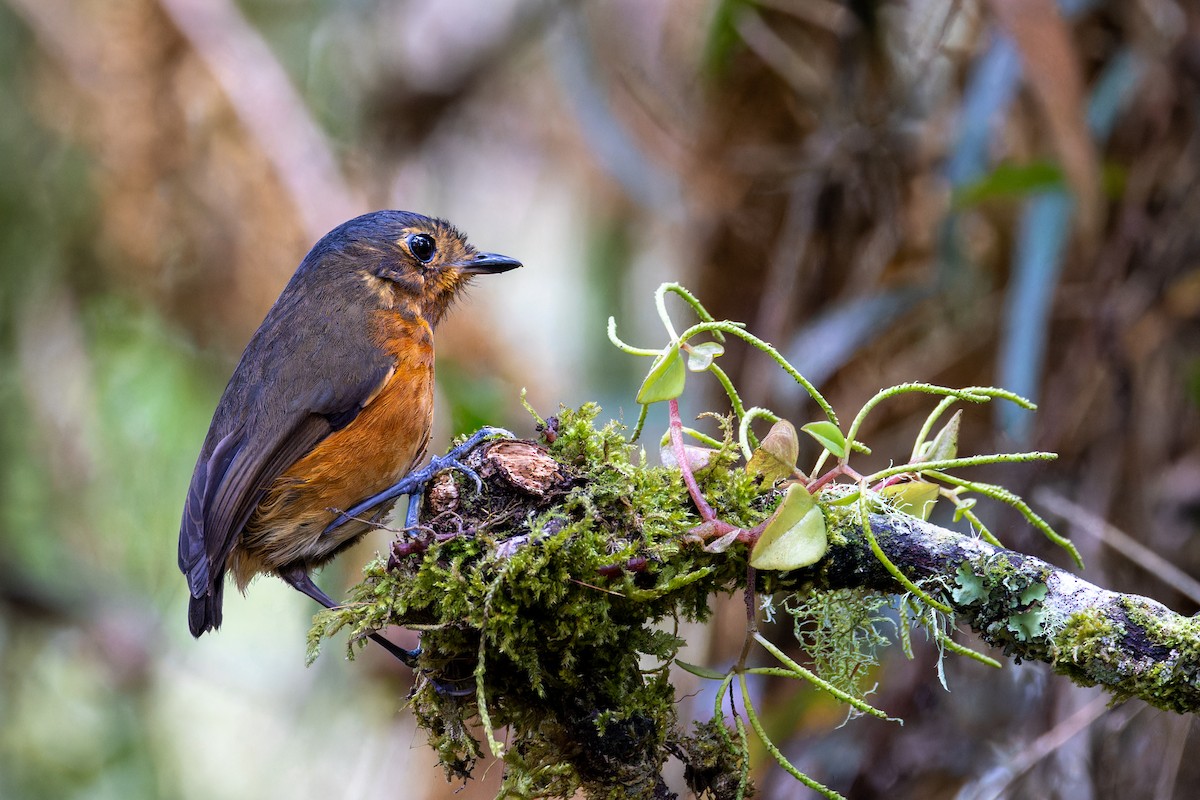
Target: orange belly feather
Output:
{"points": [[379, 446]]}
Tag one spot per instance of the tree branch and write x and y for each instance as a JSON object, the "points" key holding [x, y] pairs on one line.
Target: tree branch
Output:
{"points": [[1131, 645], [541, 601]]}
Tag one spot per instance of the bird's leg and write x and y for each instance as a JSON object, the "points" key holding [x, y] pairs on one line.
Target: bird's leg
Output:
{"points": [[414, 482], [301, 581]]}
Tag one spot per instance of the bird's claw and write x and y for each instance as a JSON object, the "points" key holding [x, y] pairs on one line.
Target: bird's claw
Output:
{"points": [[414, 482], [452, 459], [486, 432], [448, 461]]}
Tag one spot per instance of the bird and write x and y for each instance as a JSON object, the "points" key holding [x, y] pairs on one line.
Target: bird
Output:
{"points": [[328, 411]]}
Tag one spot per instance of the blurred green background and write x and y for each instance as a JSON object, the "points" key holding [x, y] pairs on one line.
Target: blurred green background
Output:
{"points": [[977, 192]]}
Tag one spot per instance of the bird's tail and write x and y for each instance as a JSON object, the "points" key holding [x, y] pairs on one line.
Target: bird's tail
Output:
{"points": [[204, 612]]}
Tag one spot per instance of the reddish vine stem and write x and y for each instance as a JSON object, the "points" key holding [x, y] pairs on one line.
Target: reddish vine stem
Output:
{"points": [[841, 469], [676, 428]]}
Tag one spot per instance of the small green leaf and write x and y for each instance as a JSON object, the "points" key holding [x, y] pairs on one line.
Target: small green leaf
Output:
{"points": [[828, 436], [775, 458], [845, 500], [795, 535], [700, 356], [666, 378], [1009, 180], [913, 497], [963, 506], [700, 672], [944, 446]]}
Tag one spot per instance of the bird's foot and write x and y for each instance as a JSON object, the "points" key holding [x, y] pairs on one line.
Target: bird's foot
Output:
{"points": [[413, 484], [452, 461]]}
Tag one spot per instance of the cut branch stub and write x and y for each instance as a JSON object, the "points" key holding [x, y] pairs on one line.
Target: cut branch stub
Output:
{"points": [[522, 465]]}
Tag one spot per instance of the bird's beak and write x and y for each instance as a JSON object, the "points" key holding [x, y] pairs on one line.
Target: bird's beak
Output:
{"points": [[488, 263]]}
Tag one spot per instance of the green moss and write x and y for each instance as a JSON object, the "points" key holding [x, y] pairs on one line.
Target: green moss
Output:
{"points": [[1152, 654], [556, 624], [1087, 639], [1172, 680], [1178, 633]]}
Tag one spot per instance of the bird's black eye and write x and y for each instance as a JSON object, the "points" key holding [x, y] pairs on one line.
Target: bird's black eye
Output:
{"points": [[422, 247]]}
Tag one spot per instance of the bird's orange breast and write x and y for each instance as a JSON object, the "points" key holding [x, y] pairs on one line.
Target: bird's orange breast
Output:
{"points": [[373, 451]]}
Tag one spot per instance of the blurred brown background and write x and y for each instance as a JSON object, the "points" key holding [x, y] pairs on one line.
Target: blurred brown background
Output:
{"points": [[977, 192]]}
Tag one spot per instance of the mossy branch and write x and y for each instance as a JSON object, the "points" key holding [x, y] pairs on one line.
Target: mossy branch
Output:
{"points": [[1130, 645], [542, 599]]}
